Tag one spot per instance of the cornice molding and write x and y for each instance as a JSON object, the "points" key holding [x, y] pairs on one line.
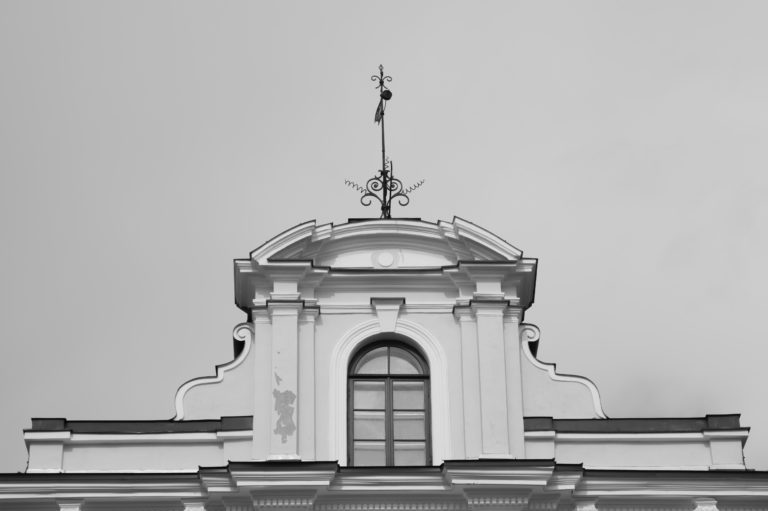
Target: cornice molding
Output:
{"points": [[537, 484]]}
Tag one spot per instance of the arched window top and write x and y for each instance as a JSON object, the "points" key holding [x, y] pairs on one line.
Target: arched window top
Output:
{"points": [[388, 407], [391, 358]]}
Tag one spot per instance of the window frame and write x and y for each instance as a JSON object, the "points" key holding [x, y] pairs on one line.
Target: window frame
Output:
{"points": [[389, 410]]}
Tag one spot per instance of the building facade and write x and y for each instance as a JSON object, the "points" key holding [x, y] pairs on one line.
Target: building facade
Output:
{"points": [[386, 364]]}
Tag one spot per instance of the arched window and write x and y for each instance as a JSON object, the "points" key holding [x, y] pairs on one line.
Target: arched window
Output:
{"points": [[388, 407]]}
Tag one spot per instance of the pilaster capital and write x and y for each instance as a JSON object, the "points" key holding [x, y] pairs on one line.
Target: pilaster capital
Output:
{"points": [[513, 314], [193, 505], [284, 307], [309, 313], [490, 307], [70, 504], [704, 504], [259, 314], [462, 311]]}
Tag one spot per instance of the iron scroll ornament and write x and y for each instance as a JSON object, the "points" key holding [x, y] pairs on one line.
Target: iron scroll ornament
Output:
{"points": [[383, 187], [373, 190]]}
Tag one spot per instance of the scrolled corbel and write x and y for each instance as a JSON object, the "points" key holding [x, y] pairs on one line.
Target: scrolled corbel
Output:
{"points": [[243, 332]]}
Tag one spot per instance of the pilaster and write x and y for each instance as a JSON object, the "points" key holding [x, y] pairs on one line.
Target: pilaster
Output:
{"points": [[489, 315], [284, 383], [514, 386], [262, 347], [307, 398], [470, 376]]}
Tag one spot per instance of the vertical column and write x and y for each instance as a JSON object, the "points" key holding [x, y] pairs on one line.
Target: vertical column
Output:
{"points": [[306, 403], [470, 377], [493, 376], [262, 356], [515, 425], [284, 372]]}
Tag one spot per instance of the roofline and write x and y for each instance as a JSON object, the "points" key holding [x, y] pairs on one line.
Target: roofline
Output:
{"points": [[712, 422]]}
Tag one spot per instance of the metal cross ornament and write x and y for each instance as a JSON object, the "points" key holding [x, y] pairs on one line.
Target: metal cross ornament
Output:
{"points": [[383, 186]]}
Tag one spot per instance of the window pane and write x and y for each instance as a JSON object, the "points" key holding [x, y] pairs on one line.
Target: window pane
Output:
{"points": [[402, 362], [369, 426], [373, 362], [407, 395], [369, 454], [410, 453], [369, 394], [409, 426]]}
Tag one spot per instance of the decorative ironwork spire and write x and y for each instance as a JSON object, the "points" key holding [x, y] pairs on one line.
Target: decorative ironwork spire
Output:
{"points": [[383, 186]]}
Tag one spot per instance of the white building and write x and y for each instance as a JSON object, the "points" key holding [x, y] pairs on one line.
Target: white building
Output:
{"points": [[386, 364]]}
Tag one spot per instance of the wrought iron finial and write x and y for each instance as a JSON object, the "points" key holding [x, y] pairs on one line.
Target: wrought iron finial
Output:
{"points": [[383, 186]]}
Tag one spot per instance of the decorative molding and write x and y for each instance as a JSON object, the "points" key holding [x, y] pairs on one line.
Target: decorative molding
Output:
{"points": [[507, 499], [431, 504], [483, 484], [243, 332], [621, 484], [544, 502], [282, 241], [293, 499], [281, 474], [530, 333], [491, 473], [365, 308], [47, 436], [388, 311], [742, 505], [648, 504], [384, 479], [452, 241]]}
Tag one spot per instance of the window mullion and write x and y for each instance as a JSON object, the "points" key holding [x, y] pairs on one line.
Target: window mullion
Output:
{"points": [[389, 428]]}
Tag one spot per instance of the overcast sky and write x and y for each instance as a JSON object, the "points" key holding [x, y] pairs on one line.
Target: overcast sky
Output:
{"points": [[144, 145]]}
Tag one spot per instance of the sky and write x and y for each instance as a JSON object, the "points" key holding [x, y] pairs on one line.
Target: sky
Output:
{"points": [[144, 145]]}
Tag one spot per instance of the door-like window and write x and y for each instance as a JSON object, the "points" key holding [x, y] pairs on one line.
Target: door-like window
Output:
{"points": [[388, 411]]}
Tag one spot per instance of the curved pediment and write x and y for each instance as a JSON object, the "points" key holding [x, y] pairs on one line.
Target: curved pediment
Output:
{"points": [[386, 244]]}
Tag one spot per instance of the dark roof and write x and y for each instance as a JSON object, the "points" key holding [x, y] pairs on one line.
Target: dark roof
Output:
{"points": [[245, 422], [240, 423], [638, 425]]}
